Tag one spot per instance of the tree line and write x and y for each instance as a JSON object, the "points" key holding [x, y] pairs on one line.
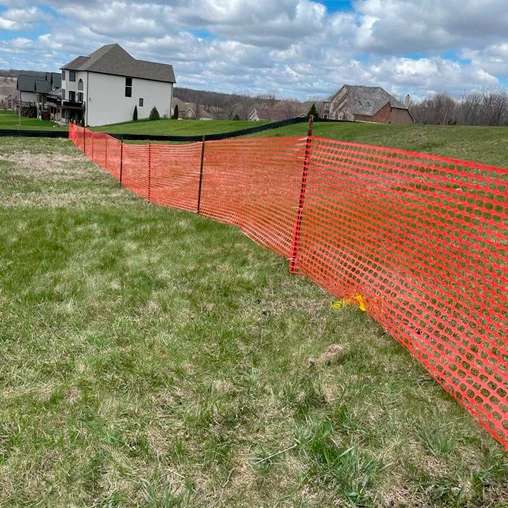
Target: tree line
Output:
{"points": [[488, 108], [224, 106]]}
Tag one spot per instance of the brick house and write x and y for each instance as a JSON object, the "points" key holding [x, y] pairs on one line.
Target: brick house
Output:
{"points": [[368, 104]]}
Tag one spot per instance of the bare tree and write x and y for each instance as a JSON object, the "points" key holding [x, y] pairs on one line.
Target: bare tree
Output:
{"points": [[244, 106], [474, 108], [291, 107], [267, 100], [439, 109]]}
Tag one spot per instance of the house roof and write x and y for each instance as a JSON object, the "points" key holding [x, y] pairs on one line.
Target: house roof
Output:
{"points": [[113, 59], [368, 100], [32, 83], [55, 78], [189, 109], [42, 86], [26, 83]]}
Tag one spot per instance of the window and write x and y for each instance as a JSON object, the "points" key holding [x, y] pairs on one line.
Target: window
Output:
{"points": [[63, 94], [63, 75], [72, 96], [72, 75], [80, 96], [128, 87], [80, 84], [141, 102]]}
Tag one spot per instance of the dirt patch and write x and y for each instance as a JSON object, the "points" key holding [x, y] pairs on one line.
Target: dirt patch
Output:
{"points": [[333, 355]]}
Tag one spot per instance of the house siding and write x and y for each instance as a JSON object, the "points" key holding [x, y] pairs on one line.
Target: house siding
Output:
{"points": [[401, 116], [381, 116], [339, 106], [107, 102], [27, 96], [387, 114]]}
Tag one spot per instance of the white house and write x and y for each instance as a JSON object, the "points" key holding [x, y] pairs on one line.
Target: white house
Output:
{"points": [[104, 87]]}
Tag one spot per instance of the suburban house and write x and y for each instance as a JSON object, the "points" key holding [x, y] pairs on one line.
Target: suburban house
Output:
{"points": [[39, 96], [282, 110], [8, 92], [367, 104], [107, 85], [187, 110], [271, 114]]}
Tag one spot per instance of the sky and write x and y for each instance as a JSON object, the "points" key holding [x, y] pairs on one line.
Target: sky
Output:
{"points": [[299, 49]]}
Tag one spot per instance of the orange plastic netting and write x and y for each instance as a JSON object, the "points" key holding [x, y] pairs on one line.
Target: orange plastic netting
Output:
{"points": [[420, 241]]}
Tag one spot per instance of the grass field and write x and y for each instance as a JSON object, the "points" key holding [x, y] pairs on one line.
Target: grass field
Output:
{"points": [[9, 120], [151, 357], [178, 127], [486, 145]]}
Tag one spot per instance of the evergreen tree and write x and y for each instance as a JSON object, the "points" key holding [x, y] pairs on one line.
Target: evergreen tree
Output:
{"points": [[176, 113], [135, 114], [313, 111], [154, 114]]}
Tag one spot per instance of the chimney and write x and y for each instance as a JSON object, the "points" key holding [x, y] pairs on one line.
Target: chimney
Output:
{"points": [[407, 100]]}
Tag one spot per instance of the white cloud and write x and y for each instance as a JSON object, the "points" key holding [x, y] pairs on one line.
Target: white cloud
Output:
{"points": [[297, 48], [21, 19], [403, 26]]}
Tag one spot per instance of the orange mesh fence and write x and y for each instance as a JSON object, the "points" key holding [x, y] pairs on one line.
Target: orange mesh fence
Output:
{"points": [[175, 174], [113, 156], [418, 241], [135, 169], [254, 184], [424, 241]]}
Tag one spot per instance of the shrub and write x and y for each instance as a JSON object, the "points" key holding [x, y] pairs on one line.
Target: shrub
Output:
{"points": [[154, 114], [175, 113], [135, 114]]}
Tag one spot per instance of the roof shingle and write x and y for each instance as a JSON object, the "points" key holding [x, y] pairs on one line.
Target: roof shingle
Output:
{"points": [[368, 100], [113, 59]]}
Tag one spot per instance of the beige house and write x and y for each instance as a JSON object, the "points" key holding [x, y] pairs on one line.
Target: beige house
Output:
{"points": [[187, 110], [367, 104], [105, 87]]}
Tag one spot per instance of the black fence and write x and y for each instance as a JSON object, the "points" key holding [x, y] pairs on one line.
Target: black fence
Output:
{"points": [[181, 139], [19, 133]]}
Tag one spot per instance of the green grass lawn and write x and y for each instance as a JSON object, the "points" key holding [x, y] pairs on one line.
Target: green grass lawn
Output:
{"points": [[10, 120], [178, 127], [151, 357], [486, 145]]}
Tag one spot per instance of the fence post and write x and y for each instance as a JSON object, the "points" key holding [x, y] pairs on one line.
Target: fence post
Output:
{"points": [[84, 139], [92, 147], [106, 155], [121, 160], [149, 170], [293, 263], [201, 174]]}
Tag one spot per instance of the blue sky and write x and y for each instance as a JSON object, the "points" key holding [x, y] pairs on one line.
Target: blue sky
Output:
{"points": [[294, 48]]}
